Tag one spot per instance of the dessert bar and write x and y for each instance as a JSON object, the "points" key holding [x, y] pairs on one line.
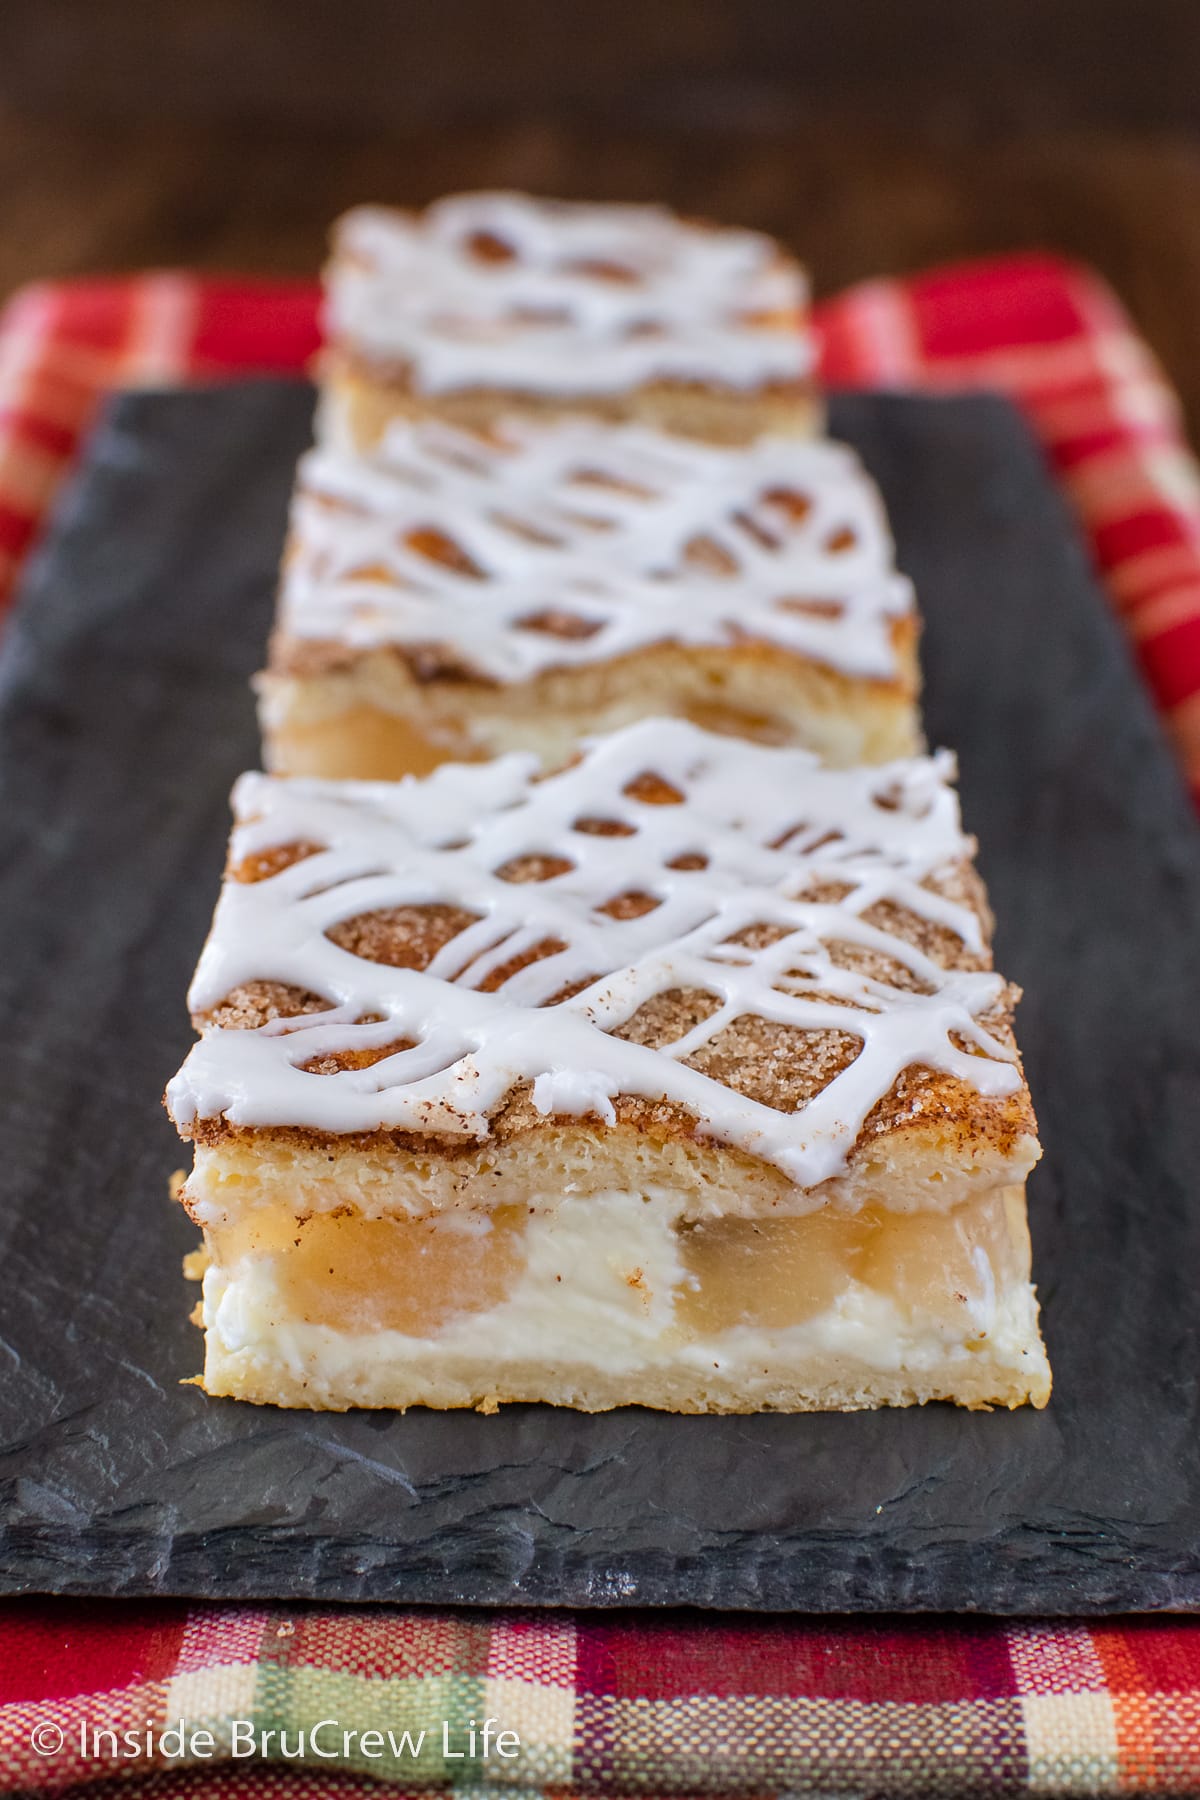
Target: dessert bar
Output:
{"points": [[680, 1076], [459, 593], [497, 302]]}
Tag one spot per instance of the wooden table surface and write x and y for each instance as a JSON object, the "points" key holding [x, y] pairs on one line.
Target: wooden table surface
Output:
{"points": [[79, 197]]}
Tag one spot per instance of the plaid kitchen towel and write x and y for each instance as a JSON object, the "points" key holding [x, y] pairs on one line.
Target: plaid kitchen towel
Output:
{"points": [[258, 1702], [616, 1705]]}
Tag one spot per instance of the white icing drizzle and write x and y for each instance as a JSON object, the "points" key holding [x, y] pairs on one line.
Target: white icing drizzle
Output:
{"points": [[770, 822], [584, 299], [630, 536]]}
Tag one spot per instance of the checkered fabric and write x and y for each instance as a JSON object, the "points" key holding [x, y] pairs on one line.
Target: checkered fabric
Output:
{"points": [[602, 1705], [623, 1705]]}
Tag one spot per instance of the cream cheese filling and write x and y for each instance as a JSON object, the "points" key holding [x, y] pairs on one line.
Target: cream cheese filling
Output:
{"points": [[611, 1284]]}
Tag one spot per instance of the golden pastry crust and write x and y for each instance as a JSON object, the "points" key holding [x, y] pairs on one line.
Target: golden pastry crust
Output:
{"points": [[446, 667], [364, 388], [826, 1385], [468, 592], [386, 712], [774, 1064], [361, 398]]}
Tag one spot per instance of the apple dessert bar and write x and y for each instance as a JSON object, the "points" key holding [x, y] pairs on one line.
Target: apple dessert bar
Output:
{"points": [[460, 593], [680, 1077], [499, 302]]}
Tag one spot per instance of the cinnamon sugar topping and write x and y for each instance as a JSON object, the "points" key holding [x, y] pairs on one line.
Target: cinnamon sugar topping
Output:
{"points": [[563, 542], [504, 291], [776, 910]]}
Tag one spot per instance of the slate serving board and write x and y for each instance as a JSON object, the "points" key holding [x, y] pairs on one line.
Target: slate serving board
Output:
{"points": [[124, 716]]}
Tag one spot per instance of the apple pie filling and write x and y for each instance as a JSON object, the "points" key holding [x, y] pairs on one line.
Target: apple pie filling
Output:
{"points": [[428, 1277]]}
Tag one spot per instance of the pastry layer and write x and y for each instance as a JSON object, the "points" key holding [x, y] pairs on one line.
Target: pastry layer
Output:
{"points": [[360, 401], [459, 595], [630, 311], [927, 1148], [681, 934], [375, 718], [621, 1299], [679, 1076]]}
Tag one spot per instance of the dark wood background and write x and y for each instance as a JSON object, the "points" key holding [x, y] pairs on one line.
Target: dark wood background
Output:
{"points": [[873, 135]]}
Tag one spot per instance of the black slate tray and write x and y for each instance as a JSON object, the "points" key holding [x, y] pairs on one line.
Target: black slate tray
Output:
{"points": [[124, 716]]}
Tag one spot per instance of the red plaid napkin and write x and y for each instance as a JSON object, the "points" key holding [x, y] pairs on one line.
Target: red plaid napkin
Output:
{"points": [[623, 1705], [606, 1706]]}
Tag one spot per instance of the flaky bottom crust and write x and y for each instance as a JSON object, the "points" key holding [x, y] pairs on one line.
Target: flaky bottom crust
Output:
{"points": [[823, 1386], [358, 402], [374, 720]]}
